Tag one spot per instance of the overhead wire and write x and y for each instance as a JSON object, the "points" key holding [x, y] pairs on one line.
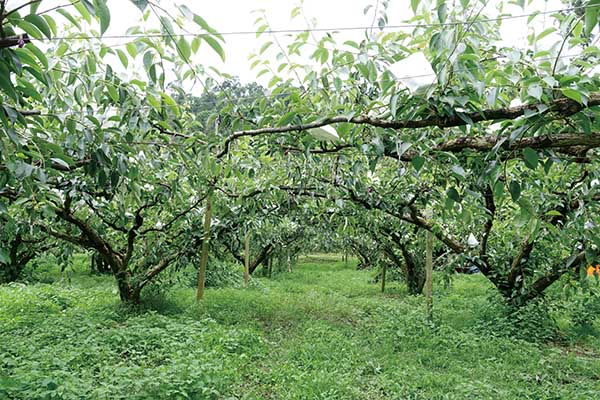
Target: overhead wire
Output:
{"points": [[291, 31]]}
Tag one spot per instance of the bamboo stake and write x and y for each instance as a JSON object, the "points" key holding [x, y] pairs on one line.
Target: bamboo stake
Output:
{"points": [[383, 269], [270, 267], [247, 260], [429, 276], [204, 255]]}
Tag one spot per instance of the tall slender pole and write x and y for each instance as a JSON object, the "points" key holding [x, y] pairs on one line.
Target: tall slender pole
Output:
{"points": [[247, 259], [204, 255], [429, 276], [270, 266], [383, 269]]}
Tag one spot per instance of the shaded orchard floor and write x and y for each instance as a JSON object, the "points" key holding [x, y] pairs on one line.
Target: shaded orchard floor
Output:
{"points": [[323, 332]]}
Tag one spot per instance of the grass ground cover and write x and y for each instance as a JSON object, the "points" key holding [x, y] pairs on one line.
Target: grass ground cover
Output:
{"points": [[322, 332]]}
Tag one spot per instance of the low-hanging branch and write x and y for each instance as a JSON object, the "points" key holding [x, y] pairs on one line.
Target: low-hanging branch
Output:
{"points": [[487, 143], [563, 107], [483, 144]]}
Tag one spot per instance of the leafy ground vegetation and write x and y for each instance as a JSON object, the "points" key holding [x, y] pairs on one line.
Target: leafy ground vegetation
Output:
{"points": [[424, 139], [324, 331]]}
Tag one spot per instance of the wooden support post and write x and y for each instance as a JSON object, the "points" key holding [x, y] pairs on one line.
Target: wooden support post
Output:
{"points": [[429, 276], [270, 267], [247, 259], [204, 255], [346, 256]]}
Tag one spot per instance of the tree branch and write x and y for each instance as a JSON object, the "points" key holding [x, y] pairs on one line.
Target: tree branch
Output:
{"points": [[103, 219], [137, 224], [16, 40], [538, 287], [176, 217], [14, 10], [564, 107], [77, 240], [158, 268], [89, 237], [486, 143], [516, 267]]}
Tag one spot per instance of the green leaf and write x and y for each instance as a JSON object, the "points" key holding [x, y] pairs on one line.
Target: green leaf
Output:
{"points": [[167, 26], [548, 165], [12, 114], [264, 47], [453, 194], [81, 6], [34, 7], [39, 23], [535, 91], [215, 46], [25, 56], [69, 17], [131, 49], [458, 170], [418, 162], [39, 54], [591, 16], [498, 189], [60, 162], [29, 90], [30, 29], [515, 190], [195, 45], [414, 4], [442, 12], [6, 84], [148, 59], [51, 23], [113, 93], [573, 94], [184, 50], [141, 4], [71, 125], [261, 29], [123, 57], [4, 258], [37, 74], [170, 102], [287, 118], [204, 25], [545, 33], [23, 170], [531, 157], [103, 14]]}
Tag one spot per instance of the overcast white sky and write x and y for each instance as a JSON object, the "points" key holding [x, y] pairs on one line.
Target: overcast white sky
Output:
{"points": [[237, 15]]}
